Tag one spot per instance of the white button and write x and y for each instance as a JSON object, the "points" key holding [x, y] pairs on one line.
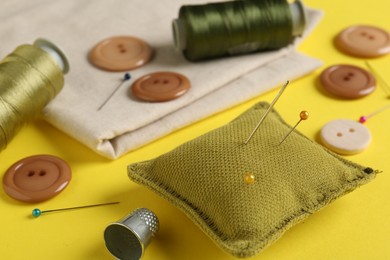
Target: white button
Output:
{"points": [[345, 136]]}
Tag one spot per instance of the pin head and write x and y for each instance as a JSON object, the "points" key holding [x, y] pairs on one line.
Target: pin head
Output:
{"points": [[304, 115], [362, 119], [127, 76], [36, 213], [249, 178]]}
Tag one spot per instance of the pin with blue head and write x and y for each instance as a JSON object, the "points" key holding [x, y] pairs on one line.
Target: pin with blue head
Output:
{"points": [[126, 77], [37, 212]]}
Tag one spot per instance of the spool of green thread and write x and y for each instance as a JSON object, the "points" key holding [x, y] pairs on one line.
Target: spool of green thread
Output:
{"points": [[237, 27], [30, 77]]}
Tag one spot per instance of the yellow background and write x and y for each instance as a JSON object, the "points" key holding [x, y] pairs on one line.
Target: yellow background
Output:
{"points": [[356, 226]]}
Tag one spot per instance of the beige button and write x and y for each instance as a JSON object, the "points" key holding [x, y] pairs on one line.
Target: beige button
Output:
{"points": [[120, 53], [160, 86], [36, 178], [345, 136], [363, 41], [347, 81]]}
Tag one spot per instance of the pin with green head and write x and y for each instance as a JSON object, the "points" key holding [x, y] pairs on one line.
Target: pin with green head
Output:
{"points": [[37, 212]]}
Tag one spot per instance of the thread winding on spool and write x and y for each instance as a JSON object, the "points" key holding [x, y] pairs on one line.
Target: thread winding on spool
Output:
{"points": [[236, 27], [30, 77]]}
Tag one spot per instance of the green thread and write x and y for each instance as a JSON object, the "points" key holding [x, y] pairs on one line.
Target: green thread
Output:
{"points": [[29, 80], [235, 27]]}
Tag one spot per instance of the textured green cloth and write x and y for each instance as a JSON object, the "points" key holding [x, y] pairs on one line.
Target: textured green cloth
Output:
{"points": [[205, 178]]}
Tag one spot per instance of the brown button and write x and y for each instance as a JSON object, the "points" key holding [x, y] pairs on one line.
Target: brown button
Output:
{"points": [[36, 178], [363, 41], [120, 53], [347, 81], [160, 86]]}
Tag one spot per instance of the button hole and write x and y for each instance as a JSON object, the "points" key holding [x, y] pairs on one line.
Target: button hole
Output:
{"points": [[351, 130], [371, 37], [347, 78], [42, 173], [165, 81], [351, 74], [156, 82], [31, 173], [339, 134]]}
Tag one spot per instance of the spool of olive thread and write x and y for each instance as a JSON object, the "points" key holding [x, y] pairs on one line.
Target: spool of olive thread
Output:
{"points": [[236, 27], [30, 77]]}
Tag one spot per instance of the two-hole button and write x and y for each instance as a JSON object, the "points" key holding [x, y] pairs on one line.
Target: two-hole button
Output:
{"points": [[160, 86], [36, 178], [363, 41], [347, 81], [120, 53], [345, 136]]}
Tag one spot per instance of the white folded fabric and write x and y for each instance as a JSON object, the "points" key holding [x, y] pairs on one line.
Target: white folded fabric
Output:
{"points": [[124, 123]]}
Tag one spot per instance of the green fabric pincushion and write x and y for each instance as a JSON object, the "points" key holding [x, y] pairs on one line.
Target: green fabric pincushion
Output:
{"points": [[246, 196]]}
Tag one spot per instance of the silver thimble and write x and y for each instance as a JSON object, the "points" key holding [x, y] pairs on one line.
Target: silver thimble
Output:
{"points": [[128, 238]]}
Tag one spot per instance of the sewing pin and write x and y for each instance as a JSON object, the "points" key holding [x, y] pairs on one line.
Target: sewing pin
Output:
{"points": [[363, 119], [387, 87], [126, 77], [37, 212], [303, 116], [267, 112]]}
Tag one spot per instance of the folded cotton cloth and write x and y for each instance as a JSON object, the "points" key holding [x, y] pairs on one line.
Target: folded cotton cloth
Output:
{"points": [[124, 123]]}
